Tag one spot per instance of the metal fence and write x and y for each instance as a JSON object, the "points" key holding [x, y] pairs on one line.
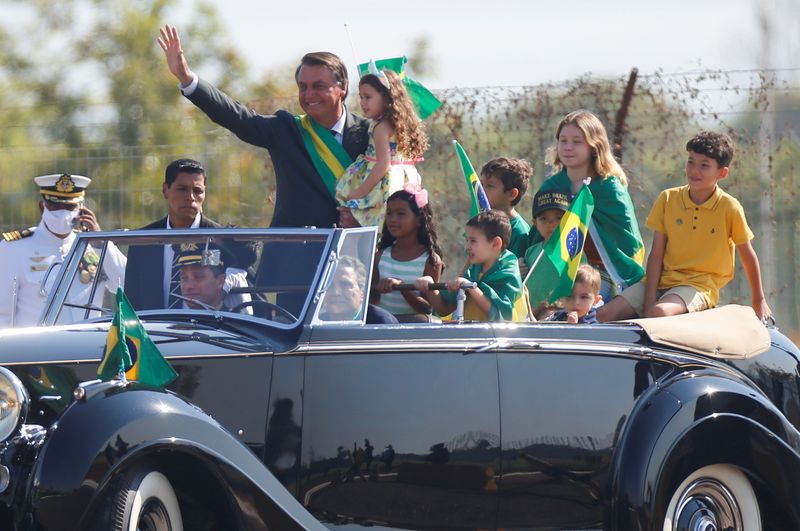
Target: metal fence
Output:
{"points": [[760, 109]]}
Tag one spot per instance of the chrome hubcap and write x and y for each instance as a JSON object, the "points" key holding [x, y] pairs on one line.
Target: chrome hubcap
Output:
{"points": [[707, 505]]}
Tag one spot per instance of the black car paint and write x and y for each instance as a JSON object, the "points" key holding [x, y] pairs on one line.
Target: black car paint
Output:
{"points": [[139, 423], [478, 417], [323, 386]]}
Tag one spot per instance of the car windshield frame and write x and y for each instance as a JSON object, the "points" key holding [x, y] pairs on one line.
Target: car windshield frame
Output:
{"points": [[69, 271]]}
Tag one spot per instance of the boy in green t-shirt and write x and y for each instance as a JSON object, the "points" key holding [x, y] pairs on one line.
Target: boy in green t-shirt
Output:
{"points": [[695, 229], [494, 268], [505, 181]]}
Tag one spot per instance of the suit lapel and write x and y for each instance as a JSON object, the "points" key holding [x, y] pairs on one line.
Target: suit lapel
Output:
{"points": [[353, 135]]}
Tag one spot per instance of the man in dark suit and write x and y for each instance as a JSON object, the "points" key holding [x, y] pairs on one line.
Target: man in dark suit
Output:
{"points": [[149, 270], [303, 196]]}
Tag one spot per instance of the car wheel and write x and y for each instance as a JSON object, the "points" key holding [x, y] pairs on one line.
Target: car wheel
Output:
{"points": [[145, 501], [713, 497]]}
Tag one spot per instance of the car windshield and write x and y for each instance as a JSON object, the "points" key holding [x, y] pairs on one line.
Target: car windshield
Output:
{"points": [[270, 274]]}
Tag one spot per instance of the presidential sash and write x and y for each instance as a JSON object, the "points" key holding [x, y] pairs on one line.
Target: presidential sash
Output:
{"points": [[328, 156]]}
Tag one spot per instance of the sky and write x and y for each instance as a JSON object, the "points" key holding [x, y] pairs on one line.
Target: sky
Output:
{"points": [[506, 42]]}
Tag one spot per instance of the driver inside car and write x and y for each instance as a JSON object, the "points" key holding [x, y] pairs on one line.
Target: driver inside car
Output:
{"points": [[202, 276]]}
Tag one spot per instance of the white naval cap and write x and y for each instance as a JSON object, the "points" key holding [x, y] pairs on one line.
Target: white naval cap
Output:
{"points": [[62, 187]]}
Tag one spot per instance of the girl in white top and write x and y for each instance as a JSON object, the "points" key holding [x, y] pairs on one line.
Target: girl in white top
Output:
{"points": [[407, 249]]}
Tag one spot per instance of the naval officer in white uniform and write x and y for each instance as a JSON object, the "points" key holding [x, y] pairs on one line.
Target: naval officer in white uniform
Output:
{"points": [[26, 255]]}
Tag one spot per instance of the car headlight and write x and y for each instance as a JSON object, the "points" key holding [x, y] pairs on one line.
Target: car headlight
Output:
{"points": [[13, 403]]}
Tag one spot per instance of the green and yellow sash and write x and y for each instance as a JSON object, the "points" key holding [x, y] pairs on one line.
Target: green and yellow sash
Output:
{"points": [[328, 156]]}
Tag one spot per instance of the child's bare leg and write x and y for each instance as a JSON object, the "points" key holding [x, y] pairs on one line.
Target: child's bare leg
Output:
{"points": [[616, 309], [669, 304]]}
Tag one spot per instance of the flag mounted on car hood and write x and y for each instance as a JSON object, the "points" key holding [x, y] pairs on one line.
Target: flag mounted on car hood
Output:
{"points": [[130, 350]]}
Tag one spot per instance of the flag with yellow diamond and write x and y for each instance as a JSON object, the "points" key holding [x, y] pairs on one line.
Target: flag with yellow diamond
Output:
{"points": [[130, 350], [564, 249]]}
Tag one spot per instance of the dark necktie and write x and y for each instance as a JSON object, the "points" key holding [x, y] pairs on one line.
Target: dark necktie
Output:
{"points": [[175, 280]]}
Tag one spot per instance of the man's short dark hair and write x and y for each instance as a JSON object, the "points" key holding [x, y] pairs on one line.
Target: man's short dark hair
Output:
{"points": [[332, 61], [493, 224], [183, 166], [513, 173], [717, 146]]}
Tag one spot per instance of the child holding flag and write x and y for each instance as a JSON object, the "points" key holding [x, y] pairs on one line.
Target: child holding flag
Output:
{"points": [[548, 209], [498, 295], [396, 141], [614, 245]]}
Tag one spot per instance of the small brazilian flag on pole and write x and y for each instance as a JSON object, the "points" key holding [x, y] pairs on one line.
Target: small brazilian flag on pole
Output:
{"points": [[130, 350], [565, 247], [477, 196]]}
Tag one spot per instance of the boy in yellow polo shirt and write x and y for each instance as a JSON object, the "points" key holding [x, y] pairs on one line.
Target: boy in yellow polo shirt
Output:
{"points": [[695, 229]]}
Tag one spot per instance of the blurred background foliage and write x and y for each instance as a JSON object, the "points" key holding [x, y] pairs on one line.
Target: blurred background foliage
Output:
{"points": [[84, 89]]}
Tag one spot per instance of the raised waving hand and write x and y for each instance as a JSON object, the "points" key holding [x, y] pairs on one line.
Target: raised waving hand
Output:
{"points": [[170, 42]]}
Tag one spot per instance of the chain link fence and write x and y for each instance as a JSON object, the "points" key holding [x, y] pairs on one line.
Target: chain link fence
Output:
{"points": [[650, 127]]}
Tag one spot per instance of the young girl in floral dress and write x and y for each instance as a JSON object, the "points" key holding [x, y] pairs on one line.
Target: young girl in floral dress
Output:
{"points": [[397, 141]]}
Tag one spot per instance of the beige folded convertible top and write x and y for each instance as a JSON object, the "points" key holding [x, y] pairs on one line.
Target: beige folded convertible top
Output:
{"points": [[729, 331]]}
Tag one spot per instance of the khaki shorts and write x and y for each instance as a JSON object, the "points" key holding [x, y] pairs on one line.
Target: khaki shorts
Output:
{"points": [[693, 299]]}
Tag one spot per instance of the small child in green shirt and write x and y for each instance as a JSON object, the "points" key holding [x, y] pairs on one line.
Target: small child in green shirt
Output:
{"points": [[493, 267]]}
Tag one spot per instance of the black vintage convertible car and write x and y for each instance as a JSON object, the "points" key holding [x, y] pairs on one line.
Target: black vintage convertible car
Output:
{"points": [[290, 413]]}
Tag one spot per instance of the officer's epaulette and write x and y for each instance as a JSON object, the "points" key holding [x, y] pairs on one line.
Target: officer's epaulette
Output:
{"points": [[15, 235]]}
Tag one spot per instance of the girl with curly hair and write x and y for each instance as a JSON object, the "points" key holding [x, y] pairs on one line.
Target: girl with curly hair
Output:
{"points": [[397, 140]]}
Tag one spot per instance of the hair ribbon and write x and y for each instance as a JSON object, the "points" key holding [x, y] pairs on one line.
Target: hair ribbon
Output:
{"points": [[419, 193]]}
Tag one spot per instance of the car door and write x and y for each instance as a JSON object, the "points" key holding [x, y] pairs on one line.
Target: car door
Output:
{"points": [[564, 404], [401, 426]]}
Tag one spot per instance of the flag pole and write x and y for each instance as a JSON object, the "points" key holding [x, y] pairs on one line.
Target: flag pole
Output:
{"points": [[535, 263], [352, 46]]}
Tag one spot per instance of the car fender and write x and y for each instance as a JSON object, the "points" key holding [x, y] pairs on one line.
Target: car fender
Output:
{"points": [[98, 437], [695, 419]]}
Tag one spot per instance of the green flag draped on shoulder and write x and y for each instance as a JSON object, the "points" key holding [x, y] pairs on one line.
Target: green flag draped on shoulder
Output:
{"points": [[328, 156], [424, 101], [564, 249], [614, 229], [130, 350]]}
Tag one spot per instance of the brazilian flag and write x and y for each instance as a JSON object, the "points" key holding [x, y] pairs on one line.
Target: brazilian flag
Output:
{"points": [[477, 196], [564, 249], [130, 350]]}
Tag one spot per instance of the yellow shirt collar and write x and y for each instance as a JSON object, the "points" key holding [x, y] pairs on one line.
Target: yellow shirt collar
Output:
{"points": [[710, 203]]}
